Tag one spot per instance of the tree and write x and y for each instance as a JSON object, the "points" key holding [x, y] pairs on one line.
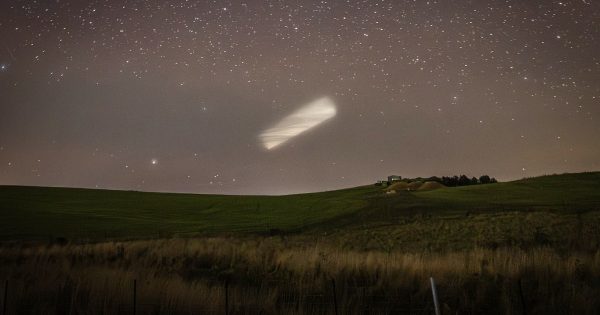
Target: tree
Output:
{"points": [[493, 181], [450, 181], [484, 179], [463, 180], [434, 179], [474, 181]]}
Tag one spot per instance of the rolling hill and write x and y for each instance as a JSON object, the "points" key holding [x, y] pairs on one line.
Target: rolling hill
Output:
{"points": [[39, 213]]}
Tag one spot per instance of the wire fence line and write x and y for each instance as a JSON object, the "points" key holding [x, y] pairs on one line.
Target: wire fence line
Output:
{"points": [[326, 302]]}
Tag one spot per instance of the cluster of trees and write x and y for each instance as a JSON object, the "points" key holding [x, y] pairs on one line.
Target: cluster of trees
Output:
{"points": [[448, 181], [463, 180]]}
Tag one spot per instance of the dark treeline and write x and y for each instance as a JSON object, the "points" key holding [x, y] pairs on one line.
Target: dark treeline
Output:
{"points": [[448, 181], [454, 181], [463, 180]]}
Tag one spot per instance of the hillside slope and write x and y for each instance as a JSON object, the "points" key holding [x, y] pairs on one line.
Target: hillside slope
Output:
{"points": [[562, 211], [43, 212], [573, 192]]}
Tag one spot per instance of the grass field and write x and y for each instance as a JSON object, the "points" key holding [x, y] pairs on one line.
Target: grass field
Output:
{"points": [[273, 276], [525, 247], [562, 211], [41, 213]]}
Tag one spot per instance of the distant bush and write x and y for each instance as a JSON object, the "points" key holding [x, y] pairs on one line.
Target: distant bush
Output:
{"points": [[484, 179], [464, 180], [449, 181]]}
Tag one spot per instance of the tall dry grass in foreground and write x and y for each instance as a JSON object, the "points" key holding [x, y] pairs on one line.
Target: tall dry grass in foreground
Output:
{"points": [[276, 276]]}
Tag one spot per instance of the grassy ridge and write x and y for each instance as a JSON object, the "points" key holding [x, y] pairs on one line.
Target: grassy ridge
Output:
{"points": [[577, 192], [561, 211], [41, 212]]}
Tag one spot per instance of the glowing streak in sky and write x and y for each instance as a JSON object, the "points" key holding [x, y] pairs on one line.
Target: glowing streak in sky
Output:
{"points": [[305, 118]]}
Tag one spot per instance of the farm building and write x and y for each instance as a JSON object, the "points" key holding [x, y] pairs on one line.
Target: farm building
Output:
{"points": [[394, 178]]}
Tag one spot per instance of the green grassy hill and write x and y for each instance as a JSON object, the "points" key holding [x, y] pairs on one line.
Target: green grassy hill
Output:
{"points": [[574, 192], [42, 213], [562, 211]]}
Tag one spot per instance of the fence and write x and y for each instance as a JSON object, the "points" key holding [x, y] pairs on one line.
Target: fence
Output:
{"points": [[326, 302]]}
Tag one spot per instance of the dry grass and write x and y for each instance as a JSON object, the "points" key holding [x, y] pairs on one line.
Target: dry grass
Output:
{"points": [[397, 186], [430, 186], [415, 185], [282, 276]]}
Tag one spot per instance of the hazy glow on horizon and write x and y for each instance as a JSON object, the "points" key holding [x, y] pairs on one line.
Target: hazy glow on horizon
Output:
{"points": [[307, 117]]}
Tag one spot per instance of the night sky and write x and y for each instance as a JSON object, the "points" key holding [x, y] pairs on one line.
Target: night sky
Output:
{"points": [[176, 95]]}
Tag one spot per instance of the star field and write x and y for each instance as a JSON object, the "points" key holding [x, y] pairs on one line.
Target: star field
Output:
{"points": [[172, 95]]}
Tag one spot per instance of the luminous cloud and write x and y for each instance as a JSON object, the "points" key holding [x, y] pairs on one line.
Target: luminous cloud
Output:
{"points": [[305, 118]]}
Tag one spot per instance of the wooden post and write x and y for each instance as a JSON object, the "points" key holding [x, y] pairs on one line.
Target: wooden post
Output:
{"points": [[5, 301], [435, 297], [522, 298], [134, 295], [334, 297], [364, 300], [226, 297]]}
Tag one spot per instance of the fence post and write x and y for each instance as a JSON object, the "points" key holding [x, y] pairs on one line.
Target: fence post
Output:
{"points": [[435, 297], [134, 295], [226, 297], [364, 299], [5, 301], [522, 298], [334, 297]]}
